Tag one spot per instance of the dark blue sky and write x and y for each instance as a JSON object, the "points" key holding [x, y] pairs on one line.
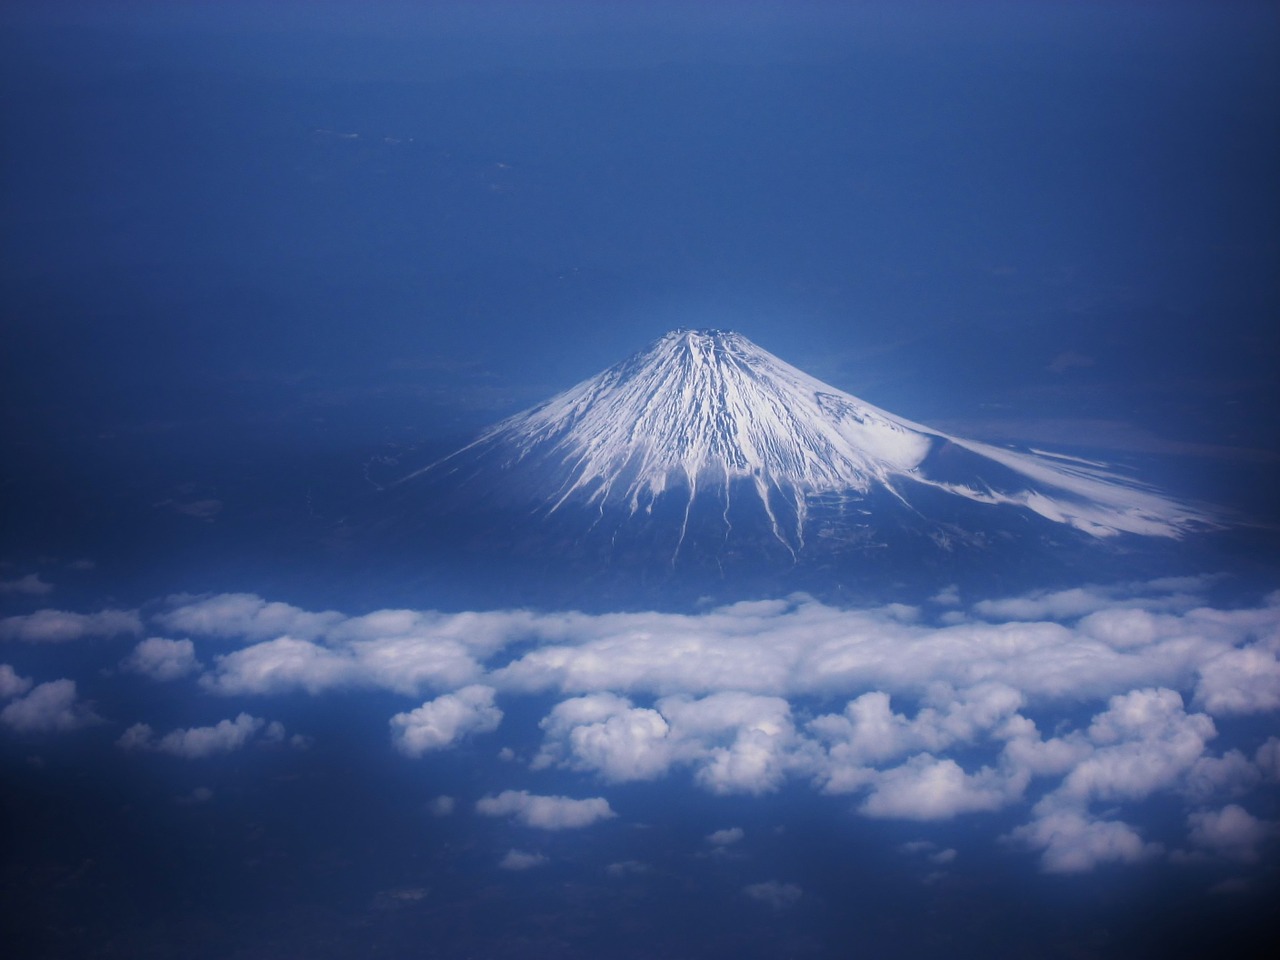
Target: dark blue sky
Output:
{"points": [[927, 205], [250, 250]]}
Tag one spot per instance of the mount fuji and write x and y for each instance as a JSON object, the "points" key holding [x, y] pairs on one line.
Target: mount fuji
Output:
{"points": [[705, 448]]}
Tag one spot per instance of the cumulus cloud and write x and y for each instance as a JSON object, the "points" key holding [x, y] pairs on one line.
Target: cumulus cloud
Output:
{"points": [[926, 788], [290, 649], [915, 713], [545, 813], [736, 742], [1088, 642], [1073, 842], [30, 585], [1268, 758], [61, 626], [775, 894], [521, 860], [196, 743], [50, 707], [1240, 681], [162, 659], [1231, 832], [1099, 646], [10, 683], [726, 837], [243, 616], [442, 722]]}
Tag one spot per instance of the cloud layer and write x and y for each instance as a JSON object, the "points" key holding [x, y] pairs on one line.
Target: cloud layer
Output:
{"points": [[1077, 706]]}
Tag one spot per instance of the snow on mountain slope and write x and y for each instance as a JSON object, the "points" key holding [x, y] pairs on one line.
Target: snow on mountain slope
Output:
{"points": [[707, 411]]}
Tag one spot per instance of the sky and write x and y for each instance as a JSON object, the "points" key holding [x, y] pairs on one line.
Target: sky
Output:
{"points": [[255, 254]]}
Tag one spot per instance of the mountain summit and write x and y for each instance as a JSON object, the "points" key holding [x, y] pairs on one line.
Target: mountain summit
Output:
{"points": [[705, 422]]}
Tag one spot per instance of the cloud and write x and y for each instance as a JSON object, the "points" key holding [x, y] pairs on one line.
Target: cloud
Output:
{"points": [[442, 722], [10, 683], [545, 813], [1142, 743], [1073, 842], [1240, 681], [736, 742], [30, 585], [197, 743], [921, 714], [521, 860], [162, 659], [605, 733], [60, 626], [1087, 642], [1231, 832], [1268, 758], [244, 616], [404, 651], [777, 895], [926, 788], [48, 708], [441, 806], [724, 838], [804, 647]]}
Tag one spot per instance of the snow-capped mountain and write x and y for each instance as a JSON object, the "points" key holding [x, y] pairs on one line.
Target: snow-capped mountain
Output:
{"points": [[705, 429]]}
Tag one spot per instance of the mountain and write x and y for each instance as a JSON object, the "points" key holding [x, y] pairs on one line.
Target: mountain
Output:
{"points": [[705, 448]]}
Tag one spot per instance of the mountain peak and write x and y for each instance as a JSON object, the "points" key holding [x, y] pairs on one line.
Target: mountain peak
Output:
{"points": [[707, 416]]}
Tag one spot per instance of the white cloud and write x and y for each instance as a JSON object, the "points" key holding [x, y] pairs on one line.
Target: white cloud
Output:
{"points": [[162, 659], [775, 894], [736, 742], [802, 646], [1143, 743], [10, 683], [521, 860], [726, 837], [926, 788], [289, 648], [280, 665], [869, 732], [61, 626], [1268, 758], [1240, 681], [400, 650], [244, 616], [605, 733], [30, 585], [441, 806], [49, 707], [1073, 842], [545, 813], [1230, 774], [916, 718], [197, 743], [1085, 643], [139, 736], [1231, 832], [442, 722]]}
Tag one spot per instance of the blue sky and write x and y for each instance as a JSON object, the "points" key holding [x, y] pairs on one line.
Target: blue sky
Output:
{"points": [[252, 251]]}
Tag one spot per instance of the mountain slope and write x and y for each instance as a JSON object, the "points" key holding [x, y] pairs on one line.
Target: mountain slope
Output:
{"points": [[704, 418]]}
